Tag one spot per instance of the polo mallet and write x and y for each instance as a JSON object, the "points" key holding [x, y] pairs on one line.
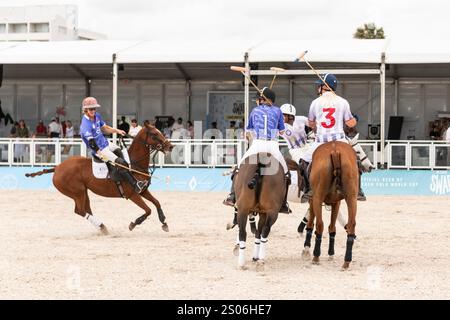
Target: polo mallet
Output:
{"points": [[243, 71], [302, 57], [125, 167], [276, 69]]}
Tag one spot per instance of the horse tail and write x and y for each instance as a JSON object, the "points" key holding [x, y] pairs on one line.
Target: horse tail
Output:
{"points": [[336, 161], [34, 174]]}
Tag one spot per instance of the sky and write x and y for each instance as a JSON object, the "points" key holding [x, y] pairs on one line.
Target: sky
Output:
{"points": [[255, 20]]}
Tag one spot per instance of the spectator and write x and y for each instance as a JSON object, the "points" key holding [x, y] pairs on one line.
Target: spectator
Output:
{"points": [[146, 123], [54, 128], [231, 132], [135, 128], [125, 126], [63, 129], [215, 133], [167, 131], [190, 128], [22, 130], [41, 129], [69, 130], [446, 136], [14, 128], [178, 125], [435, 133]]}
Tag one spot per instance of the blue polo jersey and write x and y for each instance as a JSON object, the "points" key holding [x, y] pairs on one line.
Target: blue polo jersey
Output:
{"points": [[266, 121], [91, 129]]}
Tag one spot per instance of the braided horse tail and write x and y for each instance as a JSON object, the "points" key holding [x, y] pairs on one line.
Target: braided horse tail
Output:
{"points": [[336, 161], [32, 175]]}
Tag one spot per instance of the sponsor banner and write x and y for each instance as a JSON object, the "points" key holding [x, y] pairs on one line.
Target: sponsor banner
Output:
{"points": [[379, 182]]}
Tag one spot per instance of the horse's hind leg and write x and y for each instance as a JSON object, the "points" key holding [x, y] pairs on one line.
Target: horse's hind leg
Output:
{"points": [[332, 227], [257, 247], [317, 208], [147, 195], [83, 209], [242, 224], [265, 230], [351, 205]]}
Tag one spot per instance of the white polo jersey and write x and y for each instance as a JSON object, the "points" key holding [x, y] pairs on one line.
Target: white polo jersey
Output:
{"points": [[295, 135], [330, 112]]}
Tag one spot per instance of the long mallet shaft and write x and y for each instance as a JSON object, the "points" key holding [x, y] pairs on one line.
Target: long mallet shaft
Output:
{"points": [[302, 57], [276, 69], [129, 169], [243, 71]]}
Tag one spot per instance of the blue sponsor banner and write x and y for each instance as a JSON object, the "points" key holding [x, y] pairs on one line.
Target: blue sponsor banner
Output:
{"points": [[379, 182]]}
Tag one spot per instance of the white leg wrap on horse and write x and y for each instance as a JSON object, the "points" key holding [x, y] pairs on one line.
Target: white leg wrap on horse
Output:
{"points": [[241, 260], [96, 222], [341, 219], [256, 249], [237, 238], [262, 249]]}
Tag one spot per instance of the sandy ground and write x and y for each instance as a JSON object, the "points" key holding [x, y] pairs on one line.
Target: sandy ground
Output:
{"points": [[48, 252]]}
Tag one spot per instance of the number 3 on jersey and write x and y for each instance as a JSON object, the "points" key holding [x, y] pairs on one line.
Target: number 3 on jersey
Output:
{"points": [[329, 115]]}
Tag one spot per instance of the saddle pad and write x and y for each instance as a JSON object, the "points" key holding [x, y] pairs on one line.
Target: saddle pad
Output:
{"points": [[99, 170]]}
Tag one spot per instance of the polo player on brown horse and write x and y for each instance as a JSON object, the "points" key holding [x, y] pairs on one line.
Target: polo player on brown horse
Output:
{"points": [[75, 176], [260, 183], [334, 170]]}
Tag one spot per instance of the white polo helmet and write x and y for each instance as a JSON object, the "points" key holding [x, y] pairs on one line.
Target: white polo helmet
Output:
{"points": [[90, 102], [289, 109]]}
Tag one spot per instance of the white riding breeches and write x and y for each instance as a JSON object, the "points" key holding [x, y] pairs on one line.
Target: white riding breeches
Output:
{"points": [[108, 152], [266, 146], [309, 153], [299, 153]]}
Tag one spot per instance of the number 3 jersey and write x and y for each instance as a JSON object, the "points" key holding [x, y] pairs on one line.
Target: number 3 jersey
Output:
{"points": [[329, 112]]}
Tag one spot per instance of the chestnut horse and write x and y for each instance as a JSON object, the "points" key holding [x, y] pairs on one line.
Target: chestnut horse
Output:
{"points": [[264, 198], [74, 177], [334, 177]]}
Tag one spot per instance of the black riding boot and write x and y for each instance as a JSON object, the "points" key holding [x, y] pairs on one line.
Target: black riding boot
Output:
{"points": [[361, 195], [307, 192], [139, 186], [231, 199], [285, 206]]}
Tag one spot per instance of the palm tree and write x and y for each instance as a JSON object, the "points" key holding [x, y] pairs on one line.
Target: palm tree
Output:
{"points": [[369, 31]]}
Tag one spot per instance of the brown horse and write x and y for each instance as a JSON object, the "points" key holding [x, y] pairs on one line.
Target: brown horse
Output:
{"points": [[261, 193], [74, 177], [334, 177]]}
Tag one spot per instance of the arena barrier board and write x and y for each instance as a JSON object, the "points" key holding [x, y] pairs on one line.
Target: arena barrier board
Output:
{"points": [[379, 182]]}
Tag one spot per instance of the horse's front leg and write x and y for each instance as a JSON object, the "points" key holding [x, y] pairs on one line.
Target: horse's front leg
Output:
{"points": [[332, 227], [162, 218]]}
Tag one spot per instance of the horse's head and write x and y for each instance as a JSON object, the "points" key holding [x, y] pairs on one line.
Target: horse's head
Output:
{"points": [[153, 139]]}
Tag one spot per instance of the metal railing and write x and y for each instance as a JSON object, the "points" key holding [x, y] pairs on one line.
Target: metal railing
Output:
{"points": [[400, 154]]}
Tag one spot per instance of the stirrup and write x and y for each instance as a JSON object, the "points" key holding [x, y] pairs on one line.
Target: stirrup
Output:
{"points": [[361, 196], [141, 186], [306, 197]]}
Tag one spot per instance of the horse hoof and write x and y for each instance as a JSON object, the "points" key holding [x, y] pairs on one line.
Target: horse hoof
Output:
{"points": [[104, 230], [260, 266], [316, 260], [255, 259], [242, 267], [236, 250], [131, 226], [230, 226], [306, 254], [330, 258], [165, 227], [345, 266]]}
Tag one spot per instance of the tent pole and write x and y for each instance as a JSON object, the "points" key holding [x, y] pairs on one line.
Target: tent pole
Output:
{"points": [[114, 97], [382, 105]]}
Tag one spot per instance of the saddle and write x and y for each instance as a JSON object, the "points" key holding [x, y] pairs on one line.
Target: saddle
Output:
{"points": [[105, 170]]}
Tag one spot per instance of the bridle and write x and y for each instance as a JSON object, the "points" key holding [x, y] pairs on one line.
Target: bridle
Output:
{"points": [[152, 148]]}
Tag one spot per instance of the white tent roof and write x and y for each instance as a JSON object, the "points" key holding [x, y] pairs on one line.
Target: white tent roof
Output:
{"points": [[101, 52]]}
